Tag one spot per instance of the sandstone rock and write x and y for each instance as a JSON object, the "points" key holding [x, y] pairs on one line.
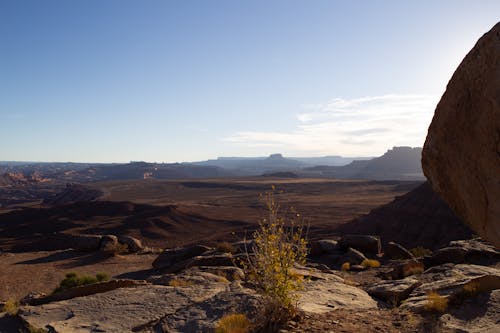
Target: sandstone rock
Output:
{"points": [[478, 314], [393, 292], [212, 260], [365, 243], [472, 251], [171, 257], [461, 156], [322, 296], [396, 251], [134, 245], [353, 256], [323, 246], [109, 244], [406, 268], [454, 282]]}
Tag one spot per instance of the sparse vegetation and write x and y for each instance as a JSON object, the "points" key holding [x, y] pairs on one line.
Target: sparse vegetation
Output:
{"points": [[370, 263], [10, 307], [180, 283], [412, 268], [346, 266], [73, 280], [279, 244], [225, 247], [419, 252], [436, 302], [233, 323]]}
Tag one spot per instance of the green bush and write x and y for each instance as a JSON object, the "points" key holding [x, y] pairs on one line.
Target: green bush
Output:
{"points": [[72, 280]]}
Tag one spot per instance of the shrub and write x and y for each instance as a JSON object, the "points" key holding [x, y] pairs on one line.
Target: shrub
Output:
{"points": [[346, 266], [412, 268], [419, 252], [72, 280], [436, 302], [277, 247], [180, 283], [370, 263], [233, 323], [11, 307], [225, 247]]}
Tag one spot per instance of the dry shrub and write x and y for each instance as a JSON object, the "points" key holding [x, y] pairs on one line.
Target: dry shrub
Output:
{"points": [[370, 263], [11, 307], [346, 266], [419, 252], [412, 268], [180, 283], [279, 244], [225, 247], [233, 323], [436, 302]]}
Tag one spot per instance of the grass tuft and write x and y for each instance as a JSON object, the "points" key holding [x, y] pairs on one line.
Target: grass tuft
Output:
{"points": [[370, 263], [436, 302], [233, 323], [346, 266]]}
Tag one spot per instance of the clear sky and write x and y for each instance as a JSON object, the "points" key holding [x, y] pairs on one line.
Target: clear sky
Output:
{"points": [[165, 81]]}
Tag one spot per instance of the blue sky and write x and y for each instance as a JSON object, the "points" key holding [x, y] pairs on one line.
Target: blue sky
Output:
{"points": [[165, 81]]}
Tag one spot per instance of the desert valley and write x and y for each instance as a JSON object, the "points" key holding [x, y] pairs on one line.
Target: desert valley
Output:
{"points": [[404, 241]]}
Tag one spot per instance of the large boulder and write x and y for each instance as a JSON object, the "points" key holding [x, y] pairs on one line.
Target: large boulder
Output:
{"points": [[173, 257], [365, 243], [461, 155], [134, 245]]}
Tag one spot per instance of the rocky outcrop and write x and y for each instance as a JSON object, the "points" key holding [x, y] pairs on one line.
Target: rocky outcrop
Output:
{"points": [[396, 251], [393, 292], [461, 156], [365, 243], [473, 251], [453, 282], [176, 259]]}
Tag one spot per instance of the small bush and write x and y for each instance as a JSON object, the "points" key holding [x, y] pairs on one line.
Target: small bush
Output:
{"points": [[102, 277], [436, 302], [277, 247], [180, 283], [72, 280], [412, 268], [225, 247], [419, 252], [10, 307], [370, 263], [345, 266], [233, 323]]}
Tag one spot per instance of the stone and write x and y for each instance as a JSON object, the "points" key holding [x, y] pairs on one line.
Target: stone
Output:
{"points": [[211, 260], [321, 296], [454, 282], [323, 246], [461, 155], [134, 245], [396, 251], [393, 292], [365, 243], [353, 256], [109, 245], [170, 257], [406, 268], [473, 251]]}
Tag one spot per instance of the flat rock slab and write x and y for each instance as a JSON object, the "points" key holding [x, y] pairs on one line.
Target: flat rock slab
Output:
{"points": [[326, 295], [120, 310]]}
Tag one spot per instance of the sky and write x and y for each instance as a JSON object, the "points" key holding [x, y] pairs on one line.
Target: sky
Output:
{"points": [[171, 81]]}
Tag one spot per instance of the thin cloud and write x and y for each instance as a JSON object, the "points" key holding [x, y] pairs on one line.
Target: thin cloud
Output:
{"points": [[359, 126]]}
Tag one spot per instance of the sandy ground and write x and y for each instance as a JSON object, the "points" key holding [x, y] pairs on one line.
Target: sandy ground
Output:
{"points": [[21, 273]]}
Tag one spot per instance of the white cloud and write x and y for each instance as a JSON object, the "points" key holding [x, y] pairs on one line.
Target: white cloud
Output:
{"points": [[360, 126]]}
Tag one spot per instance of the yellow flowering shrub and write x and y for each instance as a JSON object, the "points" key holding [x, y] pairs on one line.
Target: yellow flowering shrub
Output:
{"points": [[278, 245]]}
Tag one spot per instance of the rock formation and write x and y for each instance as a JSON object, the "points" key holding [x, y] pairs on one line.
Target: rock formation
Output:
{"points": [[461, 156]]}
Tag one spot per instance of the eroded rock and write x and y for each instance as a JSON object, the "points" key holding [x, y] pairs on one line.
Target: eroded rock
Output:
{"points": [[461, 155]]}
